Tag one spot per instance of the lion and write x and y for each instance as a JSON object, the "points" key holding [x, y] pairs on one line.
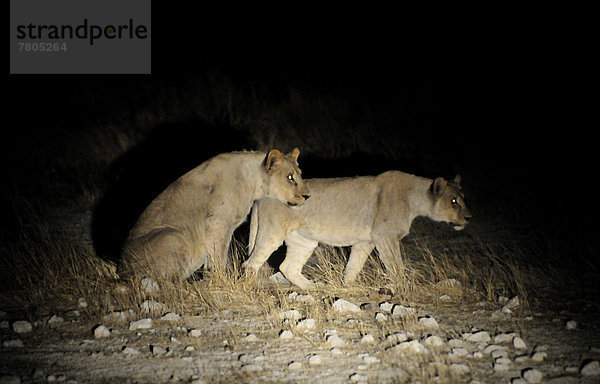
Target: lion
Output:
{"points": [[190, 224], [362, 212]]}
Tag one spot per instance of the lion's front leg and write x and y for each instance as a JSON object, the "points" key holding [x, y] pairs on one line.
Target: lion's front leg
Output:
{"points": [[388, 246]]}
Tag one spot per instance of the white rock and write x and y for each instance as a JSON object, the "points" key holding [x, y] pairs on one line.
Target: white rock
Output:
{"points": [[532, 375], [55, 320], [336, 351], [149, 286], [22, 326], [357, 377], [251, 337], [292, 314], [456, 343], [306, 299], [444, 298], [402, 311], [591, 368], [571, 325], [195, 333], [14, 343], [153, 307], [140, 324], [130, 351], [171, 316], [513, 303], [412, 346], [479, 337], [315, 360], [278, 278], [335, 341], [459, 352], [433, 341], [101, 332], [343, 306], [306, 324], [539, 356], [504, 338], [380, 316], [429, 322], [368, 338], [491, 348], [518, 343], [397, 338], [286, 334], [158, 350], [386, 306], [459, 369], [294, 365], [82, 302]]}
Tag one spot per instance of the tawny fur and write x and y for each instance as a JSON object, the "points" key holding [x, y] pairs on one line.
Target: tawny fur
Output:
{"points": [[190, 224], [362, 212]]}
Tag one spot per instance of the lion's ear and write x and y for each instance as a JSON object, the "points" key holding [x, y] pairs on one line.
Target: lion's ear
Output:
{"points": [[438, 185], [457, 180], [294, 154], [274, 157]]}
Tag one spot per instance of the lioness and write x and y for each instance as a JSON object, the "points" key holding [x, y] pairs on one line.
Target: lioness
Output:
{"points": [[190, 223], [362, 212]]}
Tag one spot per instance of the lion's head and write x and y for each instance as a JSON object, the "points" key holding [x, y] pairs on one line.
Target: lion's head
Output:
{"points": [[284, 180], [448, 202]]}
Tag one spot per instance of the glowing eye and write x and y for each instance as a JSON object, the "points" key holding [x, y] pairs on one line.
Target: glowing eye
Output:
{"points": [[454, 201], [290, 177]]}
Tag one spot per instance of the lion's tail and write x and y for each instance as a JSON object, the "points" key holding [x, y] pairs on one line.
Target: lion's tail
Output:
{"points": [[253, 228]]}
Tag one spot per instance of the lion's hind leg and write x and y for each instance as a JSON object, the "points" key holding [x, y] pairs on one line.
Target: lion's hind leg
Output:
{"points": [[359, 254], [160, 254], [299, 251]]}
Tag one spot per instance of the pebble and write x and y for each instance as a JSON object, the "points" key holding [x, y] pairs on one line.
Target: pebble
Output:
{"points": [[140, 324], [532, 375], [294, 365], [149, 286], [396, 338], [370, 359], [14, 343], [55, 320], [456, 343], [539, 356], [335, 341], [357, 377], [459, 369], [591, 368], [252, 368], [459, 352], [380, 317], [336, 351], [433, 341], [502, 364], [286, 334], [491, 348], [195, 333], [412, 346], [171, 316], [306, 324], [306, 299], [82, 302], [479, 337], [386, 306], [315, 360], [22, 326], [518, 343], [130, 351], [368, 338], [292, 314], [158, 350], [343, 306], [153, 307], [402, 311], [101, 331], [429, 322], [504, 338], [251, 337], [571, 325]]}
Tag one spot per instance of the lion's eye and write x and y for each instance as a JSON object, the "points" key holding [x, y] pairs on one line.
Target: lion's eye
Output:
{"points": [[291, 177], [454, 202]]}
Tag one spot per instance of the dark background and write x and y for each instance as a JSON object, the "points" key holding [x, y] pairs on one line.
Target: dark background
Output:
{"points": [[502, 100]]}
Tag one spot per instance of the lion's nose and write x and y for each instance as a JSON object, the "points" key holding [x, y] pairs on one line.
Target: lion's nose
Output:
{"points": [[467, 217], [306, 196]]}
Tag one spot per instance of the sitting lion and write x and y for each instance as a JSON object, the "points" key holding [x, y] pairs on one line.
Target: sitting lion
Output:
{"points": [[190, 223], [362, 212]]}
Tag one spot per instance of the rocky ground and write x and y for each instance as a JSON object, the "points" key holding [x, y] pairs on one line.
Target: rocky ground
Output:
{"points": [[306, 337]]}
